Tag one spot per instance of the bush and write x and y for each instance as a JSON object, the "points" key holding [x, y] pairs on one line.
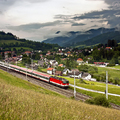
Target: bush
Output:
{"points": [[99, 100], [110, 65]]}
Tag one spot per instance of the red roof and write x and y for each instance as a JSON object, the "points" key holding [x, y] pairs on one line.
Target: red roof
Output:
{"points": [[79, 59], [50, 69], [108, 47], [27, 52], [7, 52], [60, 65], [68, 52]]}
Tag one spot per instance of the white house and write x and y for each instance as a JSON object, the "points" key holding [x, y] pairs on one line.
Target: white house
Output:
{"points": [[53, 62], [50, 71], [86, 76], [65, 71], [76, 74]]}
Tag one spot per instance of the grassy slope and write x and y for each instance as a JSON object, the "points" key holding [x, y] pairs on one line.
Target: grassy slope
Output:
{"points": [[21, 100], [10, 41], [97, 86]]}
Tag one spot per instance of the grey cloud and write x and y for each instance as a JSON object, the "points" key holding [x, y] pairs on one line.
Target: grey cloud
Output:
{"points": [[95, 26], [97, 14], [33, 26], [114, 4], [104, 15], [78, 24], [6, 4]]}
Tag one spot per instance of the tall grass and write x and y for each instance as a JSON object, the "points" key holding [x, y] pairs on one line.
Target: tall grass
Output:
{"points": [[21, 104]]}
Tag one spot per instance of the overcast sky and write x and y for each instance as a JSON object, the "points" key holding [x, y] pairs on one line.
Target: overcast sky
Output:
{"points": [[41, 19]]}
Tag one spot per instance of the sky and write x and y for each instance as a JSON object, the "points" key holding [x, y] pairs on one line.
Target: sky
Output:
{"points": [[41, 19]]}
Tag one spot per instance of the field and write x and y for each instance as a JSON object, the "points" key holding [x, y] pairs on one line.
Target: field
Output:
{"points": [[17, 48], [96, 86], [22, 100], [9, 41], [113, 73]]}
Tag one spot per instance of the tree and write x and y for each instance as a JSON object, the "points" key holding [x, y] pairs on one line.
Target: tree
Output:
{"points": [[26, 59]]}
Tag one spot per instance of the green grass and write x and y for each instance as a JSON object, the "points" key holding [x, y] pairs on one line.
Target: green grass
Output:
{"points": [[20, 100], [17, 48], [14, 81], [117, 67], [113, 73], [9, 41], [96, 86]]}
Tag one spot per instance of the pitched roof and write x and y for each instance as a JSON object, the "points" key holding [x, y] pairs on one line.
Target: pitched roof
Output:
{"points": [[58, 72], [27, 52], [85, 75], [50, 69], [79, 59], [60, 65]]}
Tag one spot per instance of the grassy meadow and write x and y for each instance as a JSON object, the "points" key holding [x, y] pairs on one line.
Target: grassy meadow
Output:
{"points": [[10, 41], [21, 100], [96, 86]]}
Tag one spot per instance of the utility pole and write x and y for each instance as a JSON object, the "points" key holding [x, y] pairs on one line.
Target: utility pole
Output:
{"points": [[74, 86], [32, 64], [106, 85], [26, 72]]}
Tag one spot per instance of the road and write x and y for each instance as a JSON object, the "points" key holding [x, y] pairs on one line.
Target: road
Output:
{"points": [[94, 90]]}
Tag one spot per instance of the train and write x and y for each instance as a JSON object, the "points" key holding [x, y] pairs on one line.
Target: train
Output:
{"points": [[61, 82]]}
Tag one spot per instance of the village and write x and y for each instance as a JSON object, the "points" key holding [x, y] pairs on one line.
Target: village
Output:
{"points": [[52, 66]]}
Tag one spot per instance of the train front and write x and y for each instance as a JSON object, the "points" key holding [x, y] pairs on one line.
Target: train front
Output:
{"points": [[65, 83]]}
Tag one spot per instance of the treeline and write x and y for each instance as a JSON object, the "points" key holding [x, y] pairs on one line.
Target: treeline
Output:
{"points": [[7, 36], [109, 52], [23, 43]]}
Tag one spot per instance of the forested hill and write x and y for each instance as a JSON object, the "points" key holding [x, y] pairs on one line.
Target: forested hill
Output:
{"points": [[9, 41], [103, 38]]}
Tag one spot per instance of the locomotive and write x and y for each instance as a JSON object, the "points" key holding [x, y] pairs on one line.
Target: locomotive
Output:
{"points": [[39, 75]]}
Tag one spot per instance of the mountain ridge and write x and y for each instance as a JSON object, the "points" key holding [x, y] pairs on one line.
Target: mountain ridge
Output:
{"points": [[78, 37]]}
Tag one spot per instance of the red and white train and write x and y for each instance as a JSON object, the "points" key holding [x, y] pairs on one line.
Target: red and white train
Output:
{"points": [[39, 75]]}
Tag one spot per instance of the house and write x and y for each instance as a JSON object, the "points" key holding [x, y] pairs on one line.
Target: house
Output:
{"points": [[41, 63], [28, 53], [48, 53], [53, 63], [75, 74], [86, 76], [108, 48], [7, 53], [66, 71], [76, 70], [58, 73], [80, 61], [34, 66], [61, 65], [50, 71]]}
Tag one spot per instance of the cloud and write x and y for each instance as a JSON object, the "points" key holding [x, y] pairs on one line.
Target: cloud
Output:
{"points": [[6, 4], [112, 16], [78, 24], [33, 26], [114, 4]]}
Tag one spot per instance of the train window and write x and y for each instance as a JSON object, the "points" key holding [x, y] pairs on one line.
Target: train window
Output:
{"points": [[64, 81], [67, 81]]}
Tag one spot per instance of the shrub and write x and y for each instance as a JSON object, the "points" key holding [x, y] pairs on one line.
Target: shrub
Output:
{"points": [[99, 100], [110, 65]]}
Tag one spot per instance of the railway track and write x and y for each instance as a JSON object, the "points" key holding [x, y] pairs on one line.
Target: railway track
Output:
{"points": [[66, 92]]}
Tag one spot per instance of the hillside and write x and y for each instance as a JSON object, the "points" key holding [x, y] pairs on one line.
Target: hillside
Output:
{"points": [[72, 38], [9, 41], [22, 100], [62, 40], [103, 38]]}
